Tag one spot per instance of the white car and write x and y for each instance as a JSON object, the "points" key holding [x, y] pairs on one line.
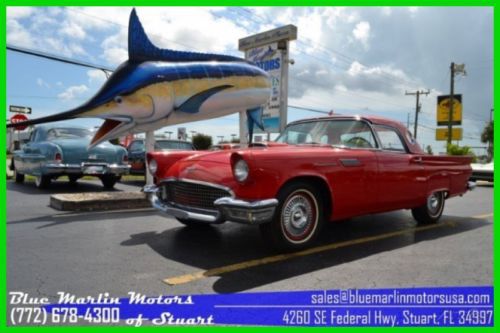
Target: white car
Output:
{"points": [[482, 172]]}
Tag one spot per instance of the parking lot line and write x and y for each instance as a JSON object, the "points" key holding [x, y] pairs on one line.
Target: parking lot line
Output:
{"points": [[182, 279], [484, 216]]}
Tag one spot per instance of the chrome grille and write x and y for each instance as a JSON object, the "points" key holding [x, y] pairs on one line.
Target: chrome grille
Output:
{"points": [[193, 195]]}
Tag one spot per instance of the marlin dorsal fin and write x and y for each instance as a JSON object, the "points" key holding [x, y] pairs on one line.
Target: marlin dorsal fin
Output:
{"points": [[141, 49]]}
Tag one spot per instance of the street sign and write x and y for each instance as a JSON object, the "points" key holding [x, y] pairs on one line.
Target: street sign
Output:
{"points": [[442, 134], [443, 110], [19, 109], [17, 119]]}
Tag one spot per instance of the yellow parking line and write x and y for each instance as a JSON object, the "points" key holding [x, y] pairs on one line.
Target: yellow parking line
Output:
{"points": [[484, 216], [282, 257]]}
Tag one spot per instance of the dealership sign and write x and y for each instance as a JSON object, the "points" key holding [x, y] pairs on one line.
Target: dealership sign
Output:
{"points": [[269, 51], [269, 58], [442, 134], [443, 110]]}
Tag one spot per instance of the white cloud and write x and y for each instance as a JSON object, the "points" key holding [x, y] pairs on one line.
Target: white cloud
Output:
{"points": [[72, 30], [41, 83], [17, 35], [362, 32], [96, 77], [19, 12], [73, 92]]}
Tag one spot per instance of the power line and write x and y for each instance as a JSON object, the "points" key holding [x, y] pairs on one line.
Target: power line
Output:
{"points": [[57, 58]]}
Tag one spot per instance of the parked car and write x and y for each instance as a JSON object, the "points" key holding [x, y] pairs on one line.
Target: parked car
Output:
{"points": [[137, 151], [225, 146], [57, 150], [318, 170], [482, 172]]}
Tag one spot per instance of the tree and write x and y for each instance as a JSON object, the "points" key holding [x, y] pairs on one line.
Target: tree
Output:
{"points": [[429, 150], [487, 137], [202, 141], [457, 150]]}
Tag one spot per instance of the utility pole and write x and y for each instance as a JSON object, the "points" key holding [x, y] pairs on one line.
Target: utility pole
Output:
{"points": [[454, 69], [417, 107]]}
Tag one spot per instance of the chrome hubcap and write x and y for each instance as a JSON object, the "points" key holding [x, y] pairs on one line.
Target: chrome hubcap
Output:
{"points": [[298, 214], [433, 204]]}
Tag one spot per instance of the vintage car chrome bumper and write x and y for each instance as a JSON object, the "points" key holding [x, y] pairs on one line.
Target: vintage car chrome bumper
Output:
{"points": [[86, 168], [471, 185], [235, 210]]}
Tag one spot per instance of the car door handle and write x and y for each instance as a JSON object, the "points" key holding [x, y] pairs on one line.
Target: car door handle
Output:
{"points": [[416, 160]]}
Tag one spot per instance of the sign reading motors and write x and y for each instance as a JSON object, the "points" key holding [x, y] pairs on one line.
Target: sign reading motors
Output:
{"points": [[269, 58], [19, 109], [269, 51]]}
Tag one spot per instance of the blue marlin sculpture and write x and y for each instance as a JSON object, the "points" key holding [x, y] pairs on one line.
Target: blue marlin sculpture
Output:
{"points": [[159, 87]]}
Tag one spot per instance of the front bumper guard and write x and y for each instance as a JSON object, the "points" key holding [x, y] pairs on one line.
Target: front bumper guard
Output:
{"points": [[235, 210], [60, 168]]}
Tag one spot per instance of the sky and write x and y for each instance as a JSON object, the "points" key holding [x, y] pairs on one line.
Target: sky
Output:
{"points": [[352, 60]]}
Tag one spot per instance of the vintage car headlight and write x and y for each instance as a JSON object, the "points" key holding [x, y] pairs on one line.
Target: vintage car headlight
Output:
{"points": [[240, 170], [153, 166]]}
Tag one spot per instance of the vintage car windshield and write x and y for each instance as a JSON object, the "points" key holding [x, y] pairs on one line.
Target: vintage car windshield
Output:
{"points": [[177, 145], [68, 133], [346, 133]]}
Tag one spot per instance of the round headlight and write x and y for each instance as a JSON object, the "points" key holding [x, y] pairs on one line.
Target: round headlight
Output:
{"points": [[240, 170], [153, 166]]}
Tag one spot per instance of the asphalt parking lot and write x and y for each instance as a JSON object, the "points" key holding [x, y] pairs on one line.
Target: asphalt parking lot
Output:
{"points": [[121, 251]]}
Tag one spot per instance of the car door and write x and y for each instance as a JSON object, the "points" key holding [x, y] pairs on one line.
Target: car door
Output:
{"points": [[24, 161], [401, 175], [352, 175]]}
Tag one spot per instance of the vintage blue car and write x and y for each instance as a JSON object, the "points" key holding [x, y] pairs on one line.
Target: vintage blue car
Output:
{"points": [[60, 150]]}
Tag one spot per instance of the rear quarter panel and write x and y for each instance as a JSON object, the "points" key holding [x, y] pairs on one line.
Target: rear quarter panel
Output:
{"points": [[447, 173]]}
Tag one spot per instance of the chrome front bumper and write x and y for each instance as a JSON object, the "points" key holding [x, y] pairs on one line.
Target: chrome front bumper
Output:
{"points": [[240, 211], [86, 169]]}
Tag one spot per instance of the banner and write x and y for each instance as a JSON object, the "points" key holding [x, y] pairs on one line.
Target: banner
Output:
{"points": [[268, 57], [449, 306]]}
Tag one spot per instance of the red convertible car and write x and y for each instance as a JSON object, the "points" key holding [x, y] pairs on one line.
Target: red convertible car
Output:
{"points": [[317, 170]]}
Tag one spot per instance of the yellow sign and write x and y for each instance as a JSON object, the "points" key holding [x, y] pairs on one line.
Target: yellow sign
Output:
{"points": [[443, 110], [442, 134]]}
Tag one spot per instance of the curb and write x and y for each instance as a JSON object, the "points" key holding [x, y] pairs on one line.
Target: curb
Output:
{"points": [[95, 201]]}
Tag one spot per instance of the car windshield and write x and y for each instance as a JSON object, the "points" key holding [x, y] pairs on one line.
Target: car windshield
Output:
{"points": [[176, 145], [345, 133], [68, 133]]}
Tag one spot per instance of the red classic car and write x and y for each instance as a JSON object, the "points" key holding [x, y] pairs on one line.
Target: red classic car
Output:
{"points": [[317, 170]]}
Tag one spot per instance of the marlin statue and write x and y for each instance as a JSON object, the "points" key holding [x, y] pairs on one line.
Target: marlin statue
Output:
{"points": [[159, 87]]}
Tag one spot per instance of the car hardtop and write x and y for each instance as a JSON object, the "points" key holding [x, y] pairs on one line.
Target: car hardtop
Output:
{"points": [[406, 136], [42, 130]]}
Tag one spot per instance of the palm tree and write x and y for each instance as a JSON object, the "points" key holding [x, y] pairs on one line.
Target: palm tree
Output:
{"points": [[487, 137]]}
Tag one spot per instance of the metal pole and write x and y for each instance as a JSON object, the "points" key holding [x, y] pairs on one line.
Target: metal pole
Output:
{"points": [[450, 116], [417, 110], [150, 146], [284, 88]]}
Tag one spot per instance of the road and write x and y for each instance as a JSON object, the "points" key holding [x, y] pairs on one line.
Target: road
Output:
{"points": [[117, 252]]}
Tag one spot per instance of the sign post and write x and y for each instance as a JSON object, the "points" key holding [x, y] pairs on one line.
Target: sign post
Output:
{"points": [[270, 51]]}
